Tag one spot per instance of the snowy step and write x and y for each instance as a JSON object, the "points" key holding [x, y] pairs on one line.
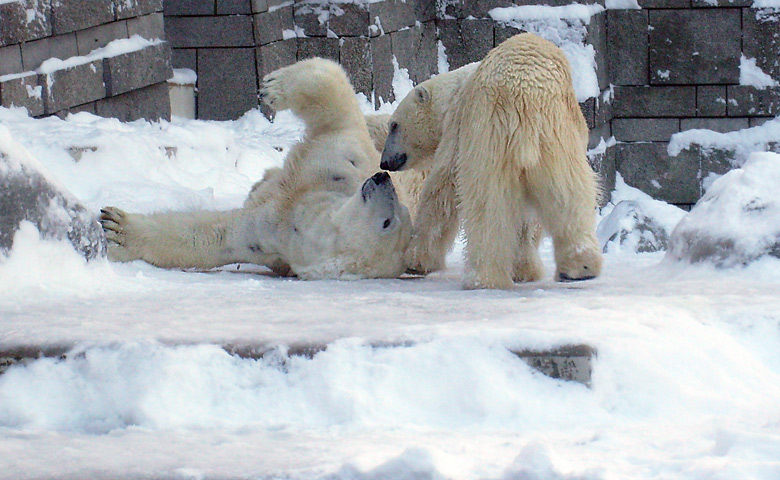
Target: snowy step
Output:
{"points": [[568, 362]]}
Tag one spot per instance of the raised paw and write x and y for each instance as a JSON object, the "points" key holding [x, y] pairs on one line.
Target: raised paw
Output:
{"points": [[273, 91]]}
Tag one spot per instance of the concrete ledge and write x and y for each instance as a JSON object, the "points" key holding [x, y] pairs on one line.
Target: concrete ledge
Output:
{"points": [[569, 362]]}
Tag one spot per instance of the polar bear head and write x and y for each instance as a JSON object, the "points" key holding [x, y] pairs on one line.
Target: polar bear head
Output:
{"points": [[415, 128], [374, 229]]}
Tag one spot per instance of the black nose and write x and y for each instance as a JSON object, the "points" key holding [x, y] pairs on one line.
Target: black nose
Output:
{"points": [[394, 163], [380, 178]]}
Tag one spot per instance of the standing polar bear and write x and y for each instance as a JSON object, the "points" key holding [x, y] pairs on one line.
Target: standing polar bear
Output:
{"points": [[505, 141], [315, 217]]}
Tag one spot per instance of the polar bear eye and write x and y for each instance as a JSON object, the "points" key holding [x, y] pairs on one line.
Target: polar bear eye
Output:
{"points": [[337, 178], [386, 223], [393, 127]]}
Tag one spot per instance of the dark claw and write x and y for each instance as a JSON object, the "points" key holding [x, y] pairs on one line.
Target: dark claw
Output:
{"points": [[562, 277]]}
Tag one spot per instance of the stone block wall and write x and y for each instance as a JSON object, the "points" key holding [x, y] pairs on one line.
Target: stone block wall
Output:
{"points": [[127, 84]]}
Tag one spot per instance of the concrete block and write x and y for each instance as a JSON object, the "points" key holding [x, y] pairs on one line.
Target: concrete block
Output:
{"points": [[654, 102], [758, 121], [150, 26], [746, 101], [570, 362], [24, 20], [100, 36], [77, 152], [588, 108], [22, 92], [480, 8], [397, 14], [711, 101], [189, 7], [151, 103], [268, 26], [259, 6], [682, 50], [234, 7], [184, 58], [604, 112], [200, 32], [71, 15], [72, 86], [644, 129], [627, 47], [276, 55], [761, 39], [648, 167], [11, 60], [650, 4], [721, 125], [227, 83], [416, 50], [383, 71], [61, 46], [356, 59], [134, 70], [312, 19], [318, 47], [720, 3], [597, 37], [349, 20], [135, 8], [465, 41], [503, 32]]}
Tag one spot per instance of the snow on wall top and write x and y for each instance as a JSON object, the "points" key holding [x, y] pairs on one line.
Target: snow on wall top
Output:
{"points": [[742, 142]]}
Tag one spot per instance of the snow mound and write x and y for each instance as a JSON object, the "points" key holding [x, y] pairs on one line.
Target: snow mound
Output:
{"points": [[738, 219], [634, 222]]}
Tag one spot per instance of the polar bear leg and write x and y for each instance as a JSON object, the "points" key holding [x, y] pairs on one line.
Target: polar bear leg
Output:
{"points": [[174, 240], [528, 266]]}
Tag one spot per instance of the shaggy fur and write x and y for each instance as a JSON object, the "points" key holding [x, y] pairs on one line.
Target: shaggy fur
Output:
{"points": [[315, 217], [505, 141]]}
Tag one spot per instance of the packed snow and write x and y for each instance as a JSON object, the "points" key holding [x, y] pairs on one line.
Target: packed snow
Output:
{"points": [[417, 380]]}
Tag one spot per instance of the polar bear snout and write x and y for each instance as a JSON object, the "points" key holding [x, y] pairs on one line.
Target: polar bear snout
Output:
{"points": [[392, 162], [379, 181]]}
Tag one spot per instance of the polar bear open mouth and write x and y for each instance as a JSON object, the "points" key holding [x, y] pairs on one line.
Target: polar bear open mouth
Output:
{"points": [[378, 182]]}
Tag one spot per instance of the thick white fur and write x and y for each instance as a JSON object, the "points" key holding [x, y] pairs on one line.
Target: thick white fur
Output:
{"points": [[316, 217], [505, 141]]}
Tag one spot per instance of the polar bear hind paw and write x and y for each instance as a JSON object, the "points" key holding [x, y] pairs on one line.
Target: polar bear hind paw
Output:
{"points": [[114, 220]]}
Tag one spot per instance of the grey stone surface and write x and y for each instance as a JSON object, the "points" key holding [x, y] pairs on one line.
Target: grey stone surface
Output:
{"points": [[465, 41], [24, 20], [11, 60], [35, 53], [268, 27], [27, 195], [397, 14], [382, 54], [711, 100], [227, 83], [100, 36], [416, 50], [318, 47], [603, 106], [761, 39], [150, 103], [275, 55], [185, 58], [650, 4], [749, 101], [234, 7], [654, 102], [71, 15], [502, 32], [23, 92], [682, 50], [218, 31], [259, 6], [648, 167], [136, 8], [63, 114], [569, 362], [189, 7], [644, 129], [313, 21], [150, 26], [627, 47], [597, 37], [137, 69], [350, 20], [356, 59], [478, 8], [720, 3], [588, 108], [722, 125], [73, 86], [758, 121]]}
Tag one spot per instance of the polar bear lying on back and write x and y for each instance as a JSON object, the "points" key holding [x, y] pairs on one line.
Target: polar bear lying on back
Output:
{"points": [[316, 217]]}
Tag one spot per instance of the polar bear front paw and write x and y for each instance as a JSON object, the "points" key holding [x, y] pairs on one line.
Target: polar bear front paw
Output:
{"points": [[114, 222], [273, 90], [421, 261]]}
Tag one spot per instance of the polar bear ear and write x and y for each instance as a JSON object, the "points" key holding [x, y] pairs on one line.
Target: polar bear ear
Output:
{"points": [[422, 95]]}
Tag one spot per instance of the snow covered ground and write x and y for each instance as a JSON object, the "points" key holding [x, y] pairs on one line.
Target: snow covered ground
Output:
{"points": [[686, 384]]}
